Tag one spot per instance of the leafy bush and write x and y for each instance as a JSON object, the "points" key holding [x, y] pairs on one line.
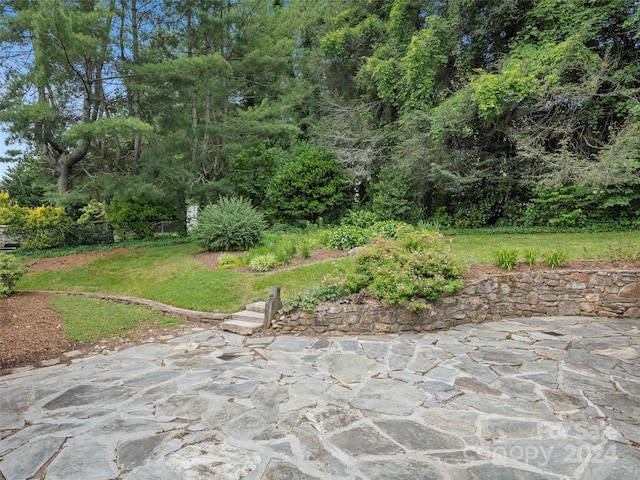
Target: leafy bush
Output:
{"points": [[556, 258], [360, 218], [331, 290], [390, 229], [263, 263], [45, 227], [137, 208], [311, 187], [10, 272], [38, 227], [505, 257], [91, 228], [231, 224], [419, 265], [579, 206], [348, 237]]}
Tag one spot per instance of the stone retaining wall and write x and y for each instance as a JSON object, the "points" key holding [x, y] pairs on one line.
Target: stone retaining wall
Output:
{"points": [[519, 294]]}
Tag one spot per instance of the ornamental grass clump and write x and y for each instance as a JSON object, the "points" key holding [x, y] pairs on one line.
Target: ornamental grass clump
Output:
{"points": [[556, 258], [232, 224], [506, 258], [531, 257], [228, 260], [263, 263]]}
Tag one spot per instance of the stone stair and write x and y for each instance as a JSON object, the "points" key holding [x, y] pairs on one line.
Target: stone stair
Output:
{"points": [[246, 322]]}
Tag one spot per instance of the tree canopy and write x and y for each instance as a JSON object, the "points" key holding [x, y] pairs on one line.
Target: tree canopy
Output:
{"points": [[471, 112]]}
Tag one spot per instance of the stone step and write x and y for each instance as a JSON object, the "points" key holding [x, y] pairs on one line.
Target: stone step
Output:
{"points": [[241, 327], [256, 307], [249, 316]]}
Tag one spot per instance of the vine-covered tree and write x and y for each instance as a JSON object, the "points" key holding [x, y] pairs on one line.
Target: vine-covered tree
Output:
{"points": [[477, 110]]}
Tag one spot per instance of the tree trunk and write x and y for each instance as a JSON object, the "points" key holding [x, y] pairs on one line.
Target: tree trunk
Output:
{"points": [[63, 171], [135, 51]]}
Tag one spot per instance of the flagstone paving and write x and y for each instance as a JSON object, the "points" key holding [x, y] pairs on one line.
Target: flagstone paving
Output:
{"points": [[537, 398]]}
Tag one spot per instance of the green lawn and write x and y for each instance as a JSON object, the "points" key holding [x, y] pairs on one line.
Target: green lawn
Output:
{"points": [[91, 320], [171, 274], [478, 248]]}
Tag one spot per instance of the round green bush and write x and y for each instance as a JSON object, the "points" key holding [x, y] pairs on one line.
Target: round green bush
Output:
{"points": [[312, 187], [233, 224], [417, 266]]}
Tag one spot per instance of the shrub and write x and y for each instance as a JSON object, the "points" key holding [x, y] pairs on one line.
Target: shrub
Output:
{"points": [[263, 263], [417, 266], [137, 208], [556, 258], [10, 272], [38, 228], [311, 187], [505, 257], [231, 224], [331, 290], [348, 237], [359, 218], [92, 227], [390, 229], [560, 207], [45, 227], [286, 251]]}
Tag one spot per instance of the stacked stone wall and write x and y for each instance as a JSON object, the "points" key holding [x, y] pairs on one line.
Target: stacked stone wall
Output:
{"points": [[601, 293]]}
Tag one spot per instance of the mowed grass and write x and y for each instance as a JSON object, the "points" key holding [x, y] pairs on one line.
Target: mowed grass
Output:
{"points": [[479, 248], [91, 320], [172, 274]]}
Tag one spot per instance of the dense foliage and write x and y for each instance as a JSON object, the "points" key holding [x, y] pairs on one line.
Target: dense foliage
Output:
{"points": [[408, 266], [466, 113], [311, 187], [136, 210], [417, 265], [229, 225], [38, 227], [10, 272]]}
